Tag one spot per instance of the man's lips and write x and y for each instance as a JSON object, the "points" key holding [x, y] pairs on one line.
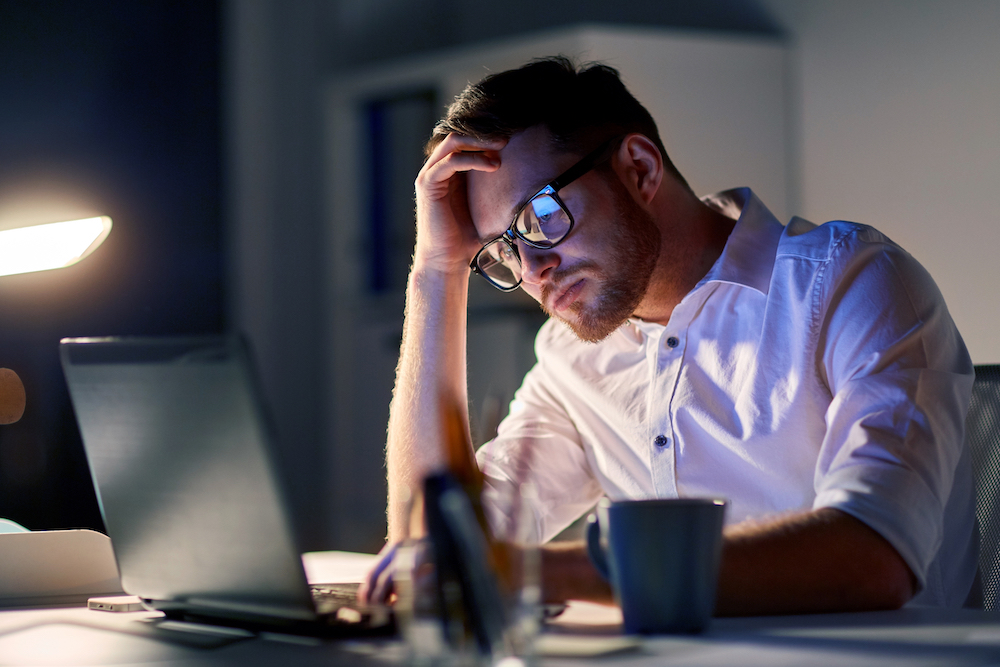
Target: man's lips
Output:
{"points": [[565, 298]]}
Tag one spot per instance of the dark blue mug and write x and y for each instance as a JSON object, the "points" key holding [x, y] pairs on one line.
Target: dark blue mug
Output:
{"points": [[662, 559]]}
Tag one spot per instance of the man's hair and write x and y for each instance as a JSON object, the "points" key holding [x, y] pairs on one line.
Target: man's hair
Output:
{"points": [[580, 106]]}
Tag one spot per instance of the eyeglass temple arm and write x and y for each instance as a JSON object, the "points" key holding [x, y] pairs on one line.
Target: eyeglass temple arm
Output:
{"points": [[591, 160]]}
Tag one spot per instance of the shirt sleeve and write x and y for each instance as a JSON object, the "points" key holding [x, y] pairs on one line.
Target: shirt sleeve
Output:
{"points": [[901, 381], [538, 478]]}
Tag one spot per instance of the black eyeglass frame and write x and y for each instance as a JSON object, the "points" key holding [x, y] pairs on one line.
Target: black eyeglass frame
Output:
{"points": [[511, 234]]}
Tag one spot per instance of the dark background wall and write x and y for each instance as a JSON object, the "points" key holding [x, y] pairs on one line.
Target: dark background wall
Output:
{"points": [[374, 31], [114, 106]]}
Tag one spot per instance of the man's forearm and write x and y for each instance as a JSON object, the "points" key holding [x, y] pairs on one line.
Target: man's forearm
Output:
{"points": [[817, 561], [567, 574], [431, 370]]}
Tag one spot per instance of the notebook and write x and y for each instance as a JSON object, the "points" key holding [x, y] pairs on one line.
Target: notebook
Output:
{"points": [[181, 454]]}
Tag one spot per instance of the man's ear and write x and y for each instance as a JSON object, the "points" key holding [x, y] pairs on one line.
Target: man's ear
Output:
{"points": [[641, 166]]}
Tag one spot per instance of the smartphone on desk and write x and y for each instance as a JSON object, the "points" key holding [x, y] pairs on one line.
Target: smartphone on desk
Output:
{"points": [[115, 603]]}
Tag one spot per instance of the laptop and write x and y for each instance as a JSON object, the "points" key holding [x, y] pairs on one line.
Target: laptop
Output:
{"points": [[182, 459]]}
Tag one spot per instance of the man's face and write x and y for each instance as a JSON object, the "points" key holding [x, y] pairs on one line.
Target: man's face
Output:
{"points": [[596, 278]]}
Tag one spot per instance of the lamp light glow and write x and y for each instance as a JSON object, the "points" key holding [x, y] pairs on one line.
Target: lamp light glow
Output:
{"points": [[50, 246]]}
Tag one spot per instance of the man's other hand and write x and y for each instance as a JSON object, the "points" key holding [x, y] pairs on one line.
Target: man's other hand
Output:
{"points": [[378, 586]]}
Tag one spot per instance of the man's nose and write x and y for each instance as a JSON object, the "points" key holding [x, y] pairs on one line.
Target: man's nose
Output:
{"points": [[536, 263]]}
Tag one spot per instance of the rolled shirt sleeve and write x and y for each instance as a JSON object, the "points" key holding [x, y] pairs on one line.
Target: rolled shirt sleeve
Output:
{"points": [[901, 380]]}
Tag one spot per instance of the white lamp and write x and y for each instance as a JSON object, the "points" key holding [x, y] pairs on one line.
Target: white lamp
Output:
{"points": [[50, 245]]}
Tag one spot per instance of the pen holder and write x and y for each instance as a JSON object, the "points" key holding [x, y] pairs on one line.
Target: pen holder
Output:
{"points": [[463, 599]]}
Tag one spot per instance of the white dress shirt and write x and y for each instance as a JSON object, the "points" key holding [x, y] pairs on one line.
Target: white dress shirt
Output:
{"points": [[813, 366]]}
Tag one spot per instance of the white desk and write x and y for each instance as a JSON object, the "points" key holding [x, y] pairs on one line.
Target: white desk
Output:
{"points": [[78, 636], [82, 637]]}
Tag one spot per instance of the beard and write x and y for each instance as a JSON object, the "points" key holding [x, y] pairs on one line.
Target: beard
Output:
{"points": [[633, 250]]}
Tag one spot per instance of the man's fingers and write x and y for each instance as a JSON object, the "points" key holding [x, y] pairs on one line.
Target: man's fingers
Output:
{"points": [[383, 586], [368, 588], [462, 144], [435, 177], [461, 153]]}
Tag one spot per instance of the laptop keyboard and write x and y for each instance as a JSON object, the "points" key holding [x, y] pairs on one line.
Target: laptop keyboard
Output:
{"points": [[328, 598], [339, 603]]}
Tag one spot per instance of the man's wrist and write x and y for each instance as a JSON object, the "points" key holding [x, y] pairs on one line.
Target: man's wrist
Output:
{"points": [[437, 270], [567, 573]]}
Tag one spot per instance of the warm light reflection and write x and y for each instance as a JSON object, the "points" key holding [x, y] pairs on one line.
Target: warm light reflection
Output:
{"points": [[50, 246]]}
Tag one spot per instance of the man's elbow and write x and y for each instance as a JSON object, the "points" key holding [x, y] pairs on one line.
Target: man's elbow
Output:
{"points": [[900, 587], [888, 582]]}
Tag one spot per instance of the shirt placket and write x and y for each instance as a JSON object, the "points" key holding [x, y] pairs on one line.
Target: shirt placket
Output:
{"points": [[665, 356]]}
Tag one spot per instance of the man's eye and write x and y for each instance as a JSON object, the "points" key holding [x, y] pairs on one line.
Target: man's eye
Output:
{"points": [[544, 207]]}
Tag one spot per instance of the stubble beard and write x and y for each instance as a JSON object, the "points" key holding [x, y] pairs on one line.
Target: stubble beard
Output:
{"points": [[634, 248]]}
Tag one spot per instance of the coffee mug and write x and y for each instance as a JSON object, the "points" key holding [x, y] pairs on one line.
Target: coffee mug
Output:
{"points": [[662, 559]]}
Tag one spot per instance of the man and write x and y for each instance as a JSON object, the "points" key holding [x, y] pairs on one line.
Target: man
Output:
{"points": [[811, 375]]}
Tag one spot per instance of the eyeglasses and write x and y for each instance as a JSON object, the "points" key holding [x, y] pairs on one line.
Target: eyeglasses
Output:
{"points": [[542, 222]]}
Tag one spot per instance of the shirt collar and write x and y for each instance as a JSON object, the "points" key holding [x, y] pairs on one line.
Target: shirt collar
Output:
{"points": [[748, 257]]}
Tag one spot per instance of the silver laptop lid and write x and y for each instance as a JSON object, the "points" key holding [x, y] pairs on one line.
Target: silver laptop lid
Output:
{"points": [[180, 455]]}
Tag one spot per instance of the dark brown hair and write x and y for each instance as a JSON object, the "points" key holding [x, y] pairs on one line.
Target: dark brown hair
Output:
{"points": [[580, 106]]}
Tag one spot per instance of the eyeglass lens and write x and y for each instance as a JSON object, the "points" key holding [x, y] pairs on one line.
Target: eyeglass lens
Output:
{"points": [[498, 261], [543, 221]]}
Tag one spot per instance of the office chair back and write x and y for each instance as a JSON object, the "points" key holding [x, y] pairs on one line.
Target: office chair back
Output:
{"points": [[982, 434]]}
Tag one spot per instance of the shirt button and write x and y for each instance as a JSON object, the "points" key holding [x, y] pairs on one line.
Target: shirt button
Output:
{"points": [[673, 342], [661, 441]]}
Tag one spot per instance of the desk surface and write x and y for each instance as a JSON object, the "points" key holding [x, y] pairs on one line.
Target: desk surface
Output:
{"points": [[80, 636]]}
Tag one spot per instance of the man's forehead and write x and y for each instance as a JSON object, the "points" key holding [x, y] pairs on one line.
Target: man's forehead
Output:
{"points": [[527, 163]]}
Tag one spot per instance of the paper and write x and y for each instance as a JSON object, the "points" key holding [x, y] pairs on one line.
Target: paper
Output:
{"points": [[337, 567], [577, 646]]}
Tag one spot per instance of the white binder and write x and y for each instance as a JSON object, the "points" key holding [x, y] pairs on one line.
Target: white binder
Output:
{"points": [[55, 568]]}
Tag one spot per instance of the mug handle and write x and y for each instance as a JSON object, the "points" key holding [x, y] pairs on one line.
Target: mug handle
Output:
{"points": [[594, 549]]}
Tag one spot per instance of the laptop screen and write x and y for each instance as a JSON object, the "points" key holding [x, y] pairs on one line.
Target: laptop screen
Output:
{"points": [[180, 454]]}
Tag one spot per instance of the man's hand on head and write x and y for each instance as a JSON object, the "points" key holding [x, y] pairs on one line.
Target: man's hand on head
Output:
{"points": [[432, 356], [446, 236]]}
